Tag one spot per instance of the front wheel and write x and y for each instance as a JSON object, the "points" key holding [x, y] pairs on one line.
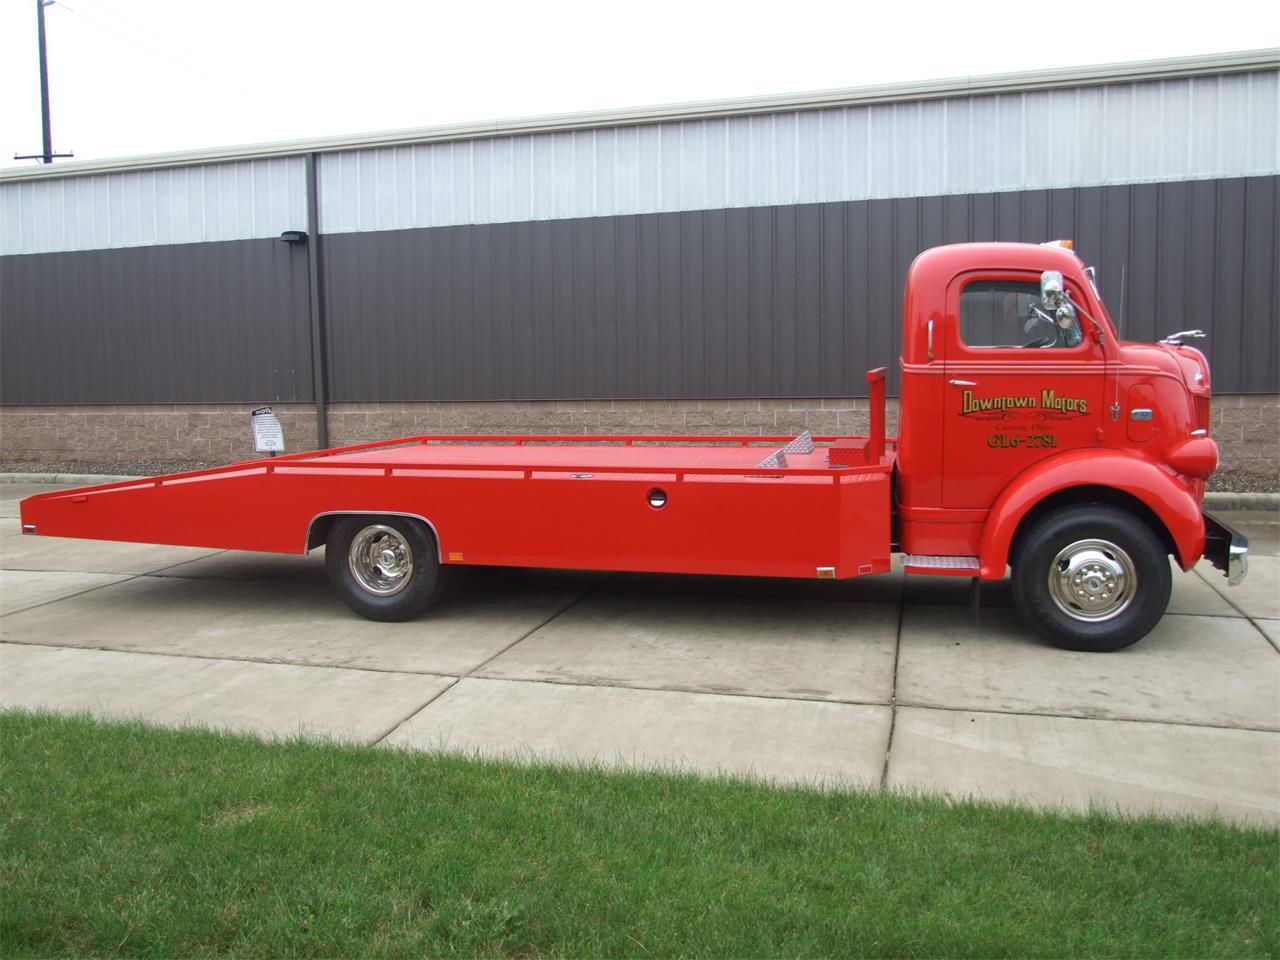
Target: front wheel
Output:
{"points": [[385, 568], [1092, 578]]}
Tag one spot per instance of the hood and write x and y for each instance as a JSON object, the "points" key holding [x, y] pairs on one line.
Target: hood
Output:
{"points": [[1187, 363]]}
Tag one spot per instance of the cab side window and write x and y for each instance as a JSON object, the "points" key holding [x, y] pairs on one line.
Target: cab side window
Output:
{"points": [[1003, 313]]}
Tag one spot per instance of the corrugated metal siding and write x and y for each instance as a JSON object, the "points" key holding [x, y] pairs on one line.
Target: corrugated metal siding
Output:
{"points": [[1202, 127], [178, 322], [1177, 129], [229, 201], [795, 300]]}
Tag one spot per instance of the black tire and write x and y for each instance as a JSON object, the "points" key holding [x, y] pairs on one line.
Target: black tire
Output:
{"points": [[409, 579], [1091, 577]]}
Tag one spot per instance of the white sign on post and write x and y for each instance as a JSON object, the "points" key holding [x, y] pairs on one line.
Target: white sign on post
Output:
{"points": [[268, 435]]}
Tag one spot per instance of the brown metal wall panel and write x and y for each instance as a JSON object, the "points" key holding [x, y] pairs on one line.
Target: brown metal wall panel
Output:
{"points": [[692, 344], [858, 286], [745, 302], [759, 305], [714, 303], [1172, 310], [1226, 335], [1201, 225], [627, 230], [1259, 318], [829, 297], [737, 341], [206, 322], [1144, 281]]}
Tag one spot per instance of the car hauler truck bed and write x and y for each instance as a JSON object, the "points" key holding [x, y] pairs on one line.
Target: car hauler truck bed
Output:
{"points": [[1030, 438], [668, 504]]}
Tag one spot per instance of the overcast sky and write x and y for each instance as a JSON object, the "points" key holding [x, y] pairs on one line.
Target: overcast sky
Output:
{"points": [[145, 76]]}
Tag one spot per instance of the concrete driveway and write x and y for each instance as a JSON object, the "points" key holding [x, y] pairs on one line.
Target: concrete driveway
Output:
{"points": [[884, 682]]}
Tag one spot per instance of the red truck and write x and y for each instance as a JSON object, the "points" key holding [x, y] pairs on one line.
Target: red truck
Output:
{"points": [[1031, 438]]}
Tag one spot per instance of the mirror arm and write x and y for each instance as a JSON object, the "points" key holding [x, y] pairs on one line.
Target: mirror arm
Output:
{"points": [[1088, 316]]}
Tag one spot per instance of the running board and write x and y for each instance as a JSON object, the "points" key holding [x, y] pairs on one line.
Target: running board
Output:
{"points": [[942, 566]]}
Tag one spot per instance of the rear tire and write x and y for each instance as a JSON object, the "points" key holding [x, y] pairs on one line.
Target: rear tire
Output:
{"points": [[385, 568], [1092, 578]]}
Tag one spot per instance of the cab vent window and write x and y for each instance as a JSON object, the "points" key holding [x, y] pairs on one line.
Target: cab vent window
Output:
{"points": [[1000, 313]]}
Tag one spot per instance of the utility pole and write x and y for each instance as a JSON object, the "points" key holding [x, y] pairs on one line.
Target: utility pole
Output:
{"points": [[45, 127], [47, 154]]}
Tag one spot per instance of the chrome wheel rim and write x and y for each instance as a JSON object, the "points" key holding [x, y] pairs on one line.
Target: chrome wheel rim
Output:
{"points": [[381, 560], [1092, 580]]}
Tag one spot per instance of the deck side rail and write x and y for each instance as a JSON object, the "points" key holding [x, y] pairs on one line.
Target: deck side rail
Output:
{"points": [[529, 470], [316, 459]]}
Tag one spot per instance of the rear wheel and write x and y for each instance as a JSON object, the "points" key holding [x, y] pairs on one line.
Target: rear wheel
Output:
{"points": [[385, 568], [1091, 577]]}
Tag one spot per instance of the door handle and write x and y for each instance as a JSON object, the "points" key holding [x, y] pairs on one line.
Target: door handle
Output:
{"points": [[962, 383]]}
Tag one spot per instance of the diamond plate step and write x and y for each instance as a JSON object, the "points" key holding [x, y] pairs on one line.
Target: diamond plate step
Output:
{"points": [[927, 563]]}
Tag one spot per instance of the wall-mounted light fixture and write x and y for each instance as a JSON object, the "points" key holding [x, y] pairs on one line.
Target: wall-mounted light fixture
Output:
{"points": [[293, 236]]}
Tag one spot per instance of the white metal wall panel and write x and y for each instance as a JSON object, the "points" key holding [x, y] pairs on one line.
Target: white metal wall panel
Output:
{"points": [[1201, 127], [221, 201], [1193, 128]]}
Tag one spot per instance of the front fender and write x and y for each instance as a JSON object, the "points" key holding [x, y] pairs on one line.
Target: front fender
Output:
{"points": [[1177, 509]]}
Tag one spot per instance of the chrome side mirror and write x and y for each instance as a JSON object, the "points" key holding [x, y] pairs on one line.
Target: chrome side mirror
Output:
{"points": [[1052, 293], [1058, 306]]}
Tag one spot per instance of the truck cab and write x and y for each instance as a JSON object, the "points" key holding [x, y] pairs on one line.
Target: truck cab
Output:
{"points": [[1031, 436]]}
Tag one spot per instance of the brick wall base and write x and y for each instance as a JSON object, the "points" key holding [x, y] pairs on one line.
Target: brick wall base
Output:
{"points": [[1247, 427], [137, 433]]}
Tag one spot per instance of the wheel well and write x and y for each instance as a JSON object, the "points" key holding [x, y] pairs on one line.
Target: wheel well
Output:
{"points": [[1108, 496], [318, 531]]}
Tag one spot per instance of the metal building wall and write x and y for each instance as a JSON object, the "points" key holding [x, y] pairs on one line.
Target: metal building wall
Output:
{"points": [[1185, 129], [752, 255], [155, 286], [207, 322], [1174, 129], [198, 204], [796, 300]]}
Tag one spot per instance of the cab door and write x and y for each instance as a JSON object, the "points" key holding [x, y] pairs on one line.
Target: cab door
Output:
{"points": [[1018, 387]]}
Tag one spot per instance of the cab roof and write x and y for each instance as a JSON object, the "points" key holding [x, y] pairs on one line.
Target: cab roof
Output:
{"points": [[956, 258]]}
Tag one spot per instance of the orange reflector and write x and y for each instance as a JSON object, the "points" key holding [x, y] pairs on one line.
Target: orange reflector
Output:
{"points": [[455, 558], [826, 573]]}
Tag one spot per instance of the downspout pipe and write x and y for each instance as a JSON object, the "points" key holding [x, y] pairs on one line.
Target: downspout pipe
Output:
{"points": [[319, 342]]}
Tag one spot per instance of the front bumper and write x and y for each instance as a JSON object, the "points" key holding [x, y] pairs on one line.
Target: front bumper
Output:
{"points": [[1226, 548]]}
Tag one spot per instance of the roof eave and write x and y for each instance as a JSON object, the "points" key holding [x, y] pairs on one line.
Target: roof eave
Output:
{"points": [[1244, 61]]}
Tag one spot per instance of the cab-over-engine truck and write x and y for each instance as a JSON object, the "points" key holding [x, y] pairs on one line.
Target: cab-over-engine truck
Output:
{"points": [[1031, 437]]}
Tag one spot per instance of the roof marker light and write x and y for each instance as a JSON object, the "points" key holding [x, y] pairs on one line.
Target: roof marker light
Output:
{"points": [[1064, 244]]}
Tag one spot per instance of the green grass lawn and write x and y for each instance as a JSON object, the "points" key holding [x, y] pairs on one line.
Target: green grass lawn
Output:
{"points": [[119, 839]]}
